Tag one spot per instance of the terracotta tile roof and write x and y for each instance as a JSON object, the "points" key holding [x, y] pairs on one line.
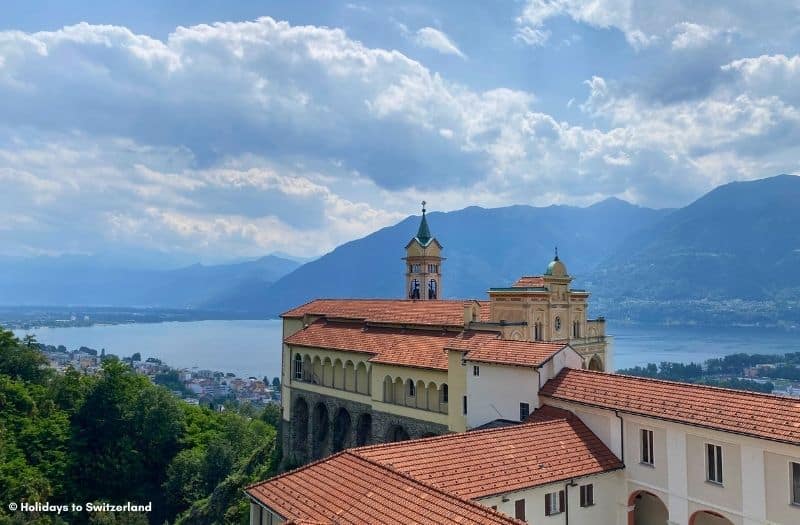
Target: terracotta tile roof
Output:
{"points": [[397, 311], [758, 415], [507, 352], [487, 462], [529, 281], [347, 488], [394, 346]]}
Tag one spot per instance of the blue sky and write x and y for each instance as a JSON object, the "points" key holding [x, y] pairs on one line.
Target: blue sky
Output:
{"points": [[220, 130]]}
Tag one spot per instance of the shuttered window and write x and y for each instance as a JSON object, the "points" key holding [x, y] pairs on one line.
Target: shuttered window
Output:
{"points": [[587, 495], [519, 509], [554, 503]]}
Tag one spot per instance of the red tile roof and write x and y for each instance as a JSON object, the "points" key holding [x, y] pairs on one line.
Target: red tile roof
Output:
{"points": [[347, 488], [529, 281], [758, 415], [507, 352], [418, 348], [482, 463], [395, 311]]}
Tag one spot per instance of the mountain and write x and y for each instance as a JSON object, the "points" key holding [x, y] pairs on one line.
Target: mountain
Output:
{"points": [[739, 242], [483, 248], [94, 281]]}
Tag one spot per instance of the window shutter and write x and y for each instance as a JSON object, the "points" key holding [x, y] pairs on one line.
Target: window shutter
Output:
{"points": [[547, 505], [583, 495], [590, 494], [561, 501]]}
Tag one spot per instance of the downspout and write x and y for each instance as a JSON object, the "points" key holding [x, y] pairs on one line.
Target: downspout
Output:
{"points": [[566, 500], [621, 436]]}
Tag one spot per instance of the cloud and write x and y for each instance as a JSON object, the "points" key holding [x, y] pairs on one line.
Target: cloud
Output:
{"points": [[686, 24], [438, 41], [236, 139], [689, 35]]}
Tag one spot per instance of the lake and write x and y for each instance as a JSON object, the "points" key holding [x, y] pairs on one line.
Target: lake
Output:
{"points": [[254, 347]]}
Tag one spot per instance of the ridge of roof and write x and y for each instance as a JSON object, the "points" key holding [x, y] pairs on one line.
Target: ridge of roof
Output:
{"points": [[455, 435]]}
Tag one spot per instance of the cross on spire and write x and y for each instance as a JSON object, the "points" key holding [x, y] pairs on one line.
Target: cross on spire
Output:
{"points": [[556, 258]]}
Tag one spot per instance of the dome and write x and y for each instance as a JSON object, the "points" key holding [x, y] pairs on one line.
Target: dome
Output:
{"points": [[556, 268]]}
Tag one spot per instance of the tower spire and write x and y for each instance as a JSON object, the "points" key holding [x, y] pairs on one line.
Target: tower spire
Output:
{"points": [[556, 257], [423, 233]]}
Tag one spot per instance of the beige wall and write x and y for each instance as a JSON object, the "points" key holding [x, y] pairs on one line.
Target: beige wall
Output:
{"points": [[777, 479], [457, 381], [729, 494], [655, 476], [608, 507]]}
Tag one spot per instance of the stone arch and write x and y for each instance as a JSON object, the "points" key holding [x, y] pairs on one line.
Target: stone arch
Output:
{"points": [[433, 397], [338, 374], [349, 376], [388, 390], [327, 372], [596, 364], [364, 429], [410, 391], [422, 395], [320, 434], [399, 396], [397, 433], [362, 379], [708, 517], [317, 374], [646, 509], [516, 335], [300, 424], [342, 425], [297, 367], [308, 368], [444, 397]]}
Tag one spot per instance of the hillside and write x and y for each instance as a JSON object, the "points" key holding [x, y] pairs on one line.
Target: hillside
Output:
{"points": [[483, 247], [738, 243], [93, 281]]}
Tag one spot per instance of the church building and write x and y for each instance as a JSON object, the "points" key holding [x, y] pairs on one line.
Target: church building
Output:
{"points": [[501, 410]]}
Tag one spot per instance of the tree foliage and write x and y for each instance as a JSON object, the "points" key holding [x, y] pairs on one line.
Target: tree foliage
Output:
{"points": [[116, 437]]}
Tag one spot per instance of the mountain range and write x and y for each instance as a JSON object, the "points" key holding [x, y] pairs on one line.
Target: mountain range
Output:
{"points": [[734, 253]]}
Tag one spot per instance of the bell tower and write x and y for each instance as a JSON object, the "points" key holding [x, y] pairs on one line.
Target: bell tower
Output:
{"points": [[423, 264]]}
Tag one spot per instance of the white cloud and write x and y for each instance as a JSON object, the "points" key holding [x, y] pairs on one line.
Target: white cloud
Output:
{"points": [[438, 41], [250, 137], [689, 35], [684, 23]]}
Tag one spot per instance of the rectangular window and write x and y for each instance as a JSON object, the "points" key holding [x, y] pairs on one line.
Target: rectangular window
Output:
{"points": [[647, 447], [476, 370], [465, 405], [795, 483], [714, 463], [587, 495], [519, 509], [554, 503], [524, 411]]}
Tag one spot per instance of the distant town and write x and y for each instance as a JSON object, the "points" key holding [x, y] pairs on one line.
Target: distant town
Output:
{"points": [[193, 385]]}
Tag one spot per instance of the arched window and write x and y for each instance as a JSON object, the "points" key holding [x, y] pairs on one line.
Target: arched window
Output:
{"points": [[432, 289], [413, 292], [411, 388], [298, 366], [443, 394]]}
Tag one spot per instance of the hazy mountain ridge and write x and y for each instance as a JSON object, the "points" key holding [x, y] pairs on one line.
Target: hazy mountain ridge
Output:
{"points": [[86, 280], [483, 248]]}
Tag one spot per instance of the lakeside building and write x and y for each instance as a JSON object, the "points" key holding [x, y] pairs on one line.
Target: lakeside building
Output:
{"points": [[500, 411]]}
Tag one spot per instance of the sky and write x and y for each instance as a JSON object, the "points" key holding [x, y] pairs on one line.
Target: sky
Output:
{"points": [[220, 130]]}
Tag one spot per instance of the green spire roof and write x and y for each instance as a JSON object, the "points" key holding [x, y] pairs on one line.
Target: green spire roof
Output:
{"points": [[424, 233]]}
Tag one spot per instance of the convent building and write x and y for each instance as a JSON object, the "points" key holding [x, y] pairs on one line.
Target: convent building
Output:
{"points": [[431, 410]]}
